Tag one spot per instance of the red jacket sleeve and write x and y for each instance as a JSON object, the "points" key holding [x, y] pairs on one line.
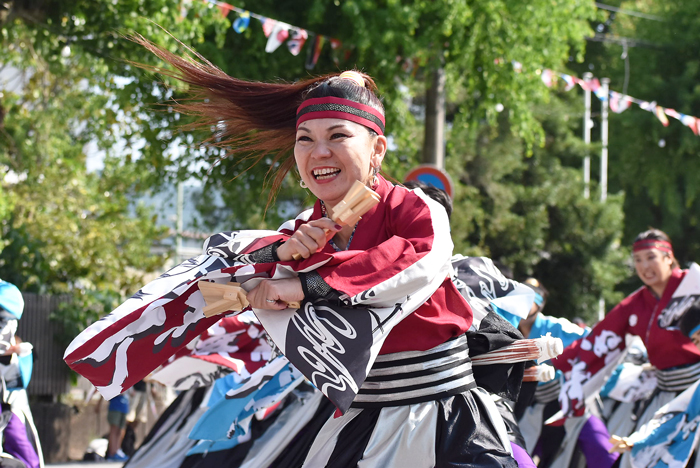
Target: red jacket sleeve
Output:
{"points": [[604, 344], [417, 250]]}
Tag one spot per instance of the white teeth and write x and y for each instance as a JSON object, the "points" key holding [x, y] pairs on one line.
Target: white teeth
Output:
{"points": [[325, 173]]}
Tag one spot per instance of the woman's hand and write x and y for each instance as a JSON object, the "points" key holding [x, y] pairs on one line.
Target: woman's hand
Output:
{"points": [[275, 294], [620, 444], [12, 349], [308, 239]]}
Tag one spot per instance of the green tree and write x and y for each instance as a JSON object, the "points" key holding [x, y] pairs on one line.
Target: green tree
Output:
{"points": [[657, 167], [529, 212], [65, 230], [81, 86], [399, 43]]}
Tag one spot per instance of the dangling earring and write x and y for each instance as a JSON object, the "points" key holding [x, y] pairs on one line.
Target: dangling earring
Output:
{"points": [[302, 184], [375, 180]]}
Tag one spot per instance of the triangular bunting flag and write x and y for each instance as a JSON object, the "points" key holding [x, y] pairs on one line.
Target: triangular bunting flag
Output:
{"points": [[297, 38], [690, 122], [278, 33], [601, 94], [619, 102], [241, 23], [268, 25], [547, 76], [659, 111], [224, 8], [570, 81], [673, 113], [591, 85], [648, 106], [315, 51]]}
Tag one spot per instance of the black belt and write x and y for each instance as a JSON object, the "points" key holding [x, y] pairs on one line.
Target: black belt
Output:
{"points": [[548, 391], [677, 379], [417, 376]]}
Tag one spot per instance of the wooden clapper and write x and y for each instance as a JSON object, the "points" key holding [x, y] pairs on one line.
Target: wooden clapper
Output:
{"points": [[358, 201], [222, 298]]}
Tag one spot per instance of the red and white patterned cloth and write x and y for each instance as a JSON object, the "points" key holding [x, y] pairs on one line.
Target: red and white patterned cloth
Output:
{"points": [[396, 273], [642, 314]]}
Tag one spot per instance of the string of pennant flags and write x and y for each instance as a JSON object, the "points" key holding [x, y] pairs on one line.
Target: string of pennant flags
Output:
{"points": [[620, 102], [277, 32]]}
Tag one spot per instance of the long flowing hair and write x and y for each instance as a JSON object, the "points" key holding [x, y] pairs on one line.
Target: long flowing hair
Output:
{"points": [[252, 120]]}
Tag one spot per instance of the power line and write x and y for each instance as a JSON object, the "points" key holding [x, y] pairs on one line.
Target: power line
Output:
{"points": [[603, 6], [624, 41]]}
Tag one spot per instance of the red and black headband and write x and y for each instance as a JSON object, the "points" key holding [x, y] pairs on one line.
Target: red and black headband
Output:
{"points": [[340, 108], [645, 244]]}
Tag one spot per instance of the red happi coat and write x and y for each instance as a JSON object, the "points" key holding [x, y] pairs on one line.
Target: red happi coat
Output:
{"points": [[638, 314], [396, 238], [396, 272]]}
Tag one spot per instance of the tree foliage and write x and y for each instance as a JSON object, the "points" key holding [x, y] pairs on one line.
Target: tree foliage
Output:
{"points": [[65, 229], [530, 213], [657, 167]]}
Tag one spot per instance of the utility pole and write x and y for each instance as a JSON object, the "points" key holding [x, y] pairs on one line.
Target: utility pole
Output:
{"points": [[434, 144], [604, 104], [587, 135], [179, 221]]}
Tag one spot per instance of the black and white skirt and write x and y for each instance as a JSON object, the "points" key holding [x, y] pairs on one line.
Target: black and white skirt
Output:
{"points": [[416, 409]]}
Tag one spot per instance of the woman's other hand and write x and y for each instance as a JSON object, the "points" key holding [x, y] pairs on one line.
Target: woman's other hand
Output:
{"points": [[308, 239], [620, 444], [275, 294]]}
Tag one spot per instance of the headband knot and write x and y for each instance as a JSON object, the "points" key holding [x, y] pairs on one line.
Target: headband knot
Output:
{"points": [[354, 77], [340, 108], [658, 244]]}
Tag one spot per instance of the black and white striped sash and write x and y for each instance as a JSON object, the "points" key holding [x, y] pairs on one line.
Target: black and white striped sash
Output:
{"points": [[547, 392], [416, 376], [678, 378]]}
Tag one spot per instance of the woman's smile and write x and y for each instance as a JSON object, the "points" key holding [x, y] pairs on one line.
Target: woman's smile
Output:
{"points": [[324, 175], [331, 154], [653, 268]]}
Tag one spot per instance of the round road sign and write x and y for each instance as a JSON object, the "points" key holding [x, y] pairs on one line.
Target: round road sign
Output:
{"points": [[431, 175]]}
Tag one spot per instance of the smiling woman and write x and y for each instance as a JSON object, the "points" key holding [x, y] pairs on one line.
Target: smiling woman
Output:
{"points": [[654, 260], [332, 154], [381, 326], [653, 313]]}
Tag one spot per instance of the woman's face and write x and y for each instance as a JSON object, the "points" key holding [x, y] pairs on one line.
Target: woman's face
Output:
{"points": [[331, 154], [653, 267]]}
